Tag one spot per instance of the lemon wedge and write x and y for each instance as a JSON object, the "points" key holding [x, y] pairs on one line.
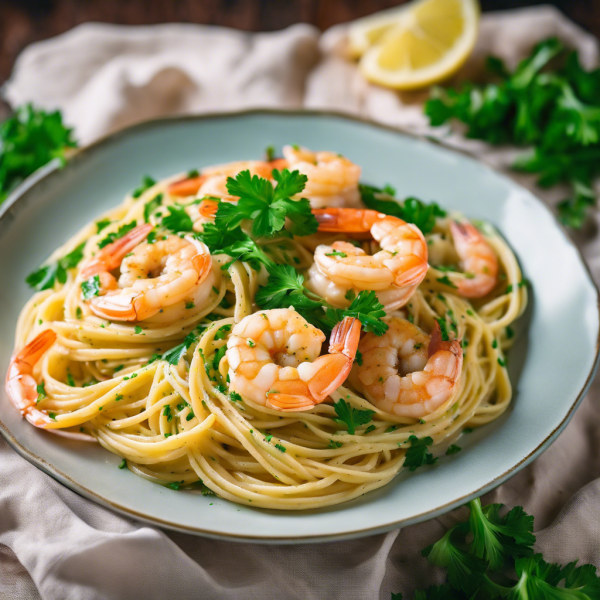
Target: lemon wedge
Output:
{"points": [[418, 44]]}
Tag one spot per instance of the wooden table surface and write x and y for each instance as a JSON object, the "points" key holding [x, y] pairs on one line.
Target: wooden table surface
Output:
{"points": [[26, 21]]}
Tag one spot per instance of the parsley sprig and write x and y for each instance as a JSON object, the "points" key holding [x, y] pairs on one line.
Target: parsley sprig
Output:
{"points": [[411, 210], [555, 111], [44, 277], [479, 553], [266, 205], [28, 140], [285, 288]]}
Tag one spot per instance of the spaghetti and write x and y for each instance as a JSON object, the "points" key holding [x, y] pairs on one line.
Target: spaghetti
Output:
{"points": [[157, 391]]}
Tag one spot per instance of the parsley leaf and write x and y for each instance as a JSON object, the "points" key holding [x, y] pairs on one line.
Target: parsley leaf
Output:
{"points": [[151, 206], [91, 287], [174, 355], [350, 416], [147, 183], [367, 309], [411, 210], [496, 538], [418, 455], [285, 288], [45, 276], [268, 206], [177, 220]]}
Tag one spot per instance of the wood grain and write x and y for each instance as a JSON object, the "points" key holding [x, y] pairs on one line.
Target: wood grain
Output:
{"points": [[25, 21]]}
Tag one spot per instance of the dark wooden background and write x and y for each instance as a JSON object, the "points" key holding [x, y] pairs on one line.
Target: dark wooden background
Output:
{"points": [[26, 21]]}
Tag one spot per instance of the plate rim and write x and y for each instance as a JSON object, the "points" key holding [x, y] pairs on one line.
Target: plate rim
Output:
{"points": [[55, 166]]}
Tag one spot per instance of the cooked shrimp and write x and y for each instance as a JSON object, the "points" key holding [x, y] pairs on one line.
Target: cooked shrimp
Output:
{"points": [[161, 279], [406, 372], [212, 180], [332, 178], [477, 259], [341, 270], [21, 386], [274, 359]]}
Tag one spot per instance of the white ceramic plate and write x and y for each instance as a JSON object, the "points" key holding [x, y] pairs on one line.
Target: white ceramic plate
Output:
{"points": [[551, 365]]}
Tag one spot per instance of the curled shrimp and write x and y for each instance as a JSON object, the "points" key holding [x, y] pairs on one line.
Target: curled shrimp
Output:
{"points": [[406, 372], [477, 259], [332, 178], [157, 280], [274, 359], [342, 269], [21, 386]]}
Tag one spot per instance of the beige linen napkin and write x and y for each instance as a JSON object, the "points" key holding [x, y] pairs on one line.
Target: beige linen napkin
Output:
{"points": [[104, 77]]}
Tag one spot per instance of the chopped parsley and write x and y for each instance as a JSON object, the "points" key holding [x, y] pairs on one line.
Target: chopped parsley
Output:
{"points": [[138, 329], [418, 455], [40, 388], [122, 464], [411, 210], [91, 287], [280, 447], [44, 277], [174, 355], [177, 220], [147, 183], [235, 397], [100, 225], [351, 417], [222, 332], [151, 206], [446, 281], [453, 449]]}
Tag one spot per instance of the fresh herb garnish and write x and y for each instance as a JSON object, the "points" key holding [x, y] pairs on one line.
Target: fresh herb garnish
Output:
{"points": [[151, 206], [285, 288], [177, 220], [30, 139], [411, 210], [174, 355], [557, 112], [147, 183], [351, 417], [44, 277], [418, 455], [90, 287], [267, 205]]}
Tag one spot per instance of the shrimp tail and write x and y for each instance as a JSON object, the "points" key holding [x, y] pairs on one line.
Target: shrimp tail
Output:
{"points": [[346, 220], [111, 256], [188, 186], [334, 368], [437, 343], [21, 387]]}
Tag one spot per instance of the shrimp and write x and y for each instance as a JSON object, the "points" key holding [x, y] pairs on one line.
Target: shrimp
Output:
{"points": [[274, 360], [341, 270], [21, 386], [478, 261], [212, 180], [332, 178], [159, 279], [406, 372]]}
